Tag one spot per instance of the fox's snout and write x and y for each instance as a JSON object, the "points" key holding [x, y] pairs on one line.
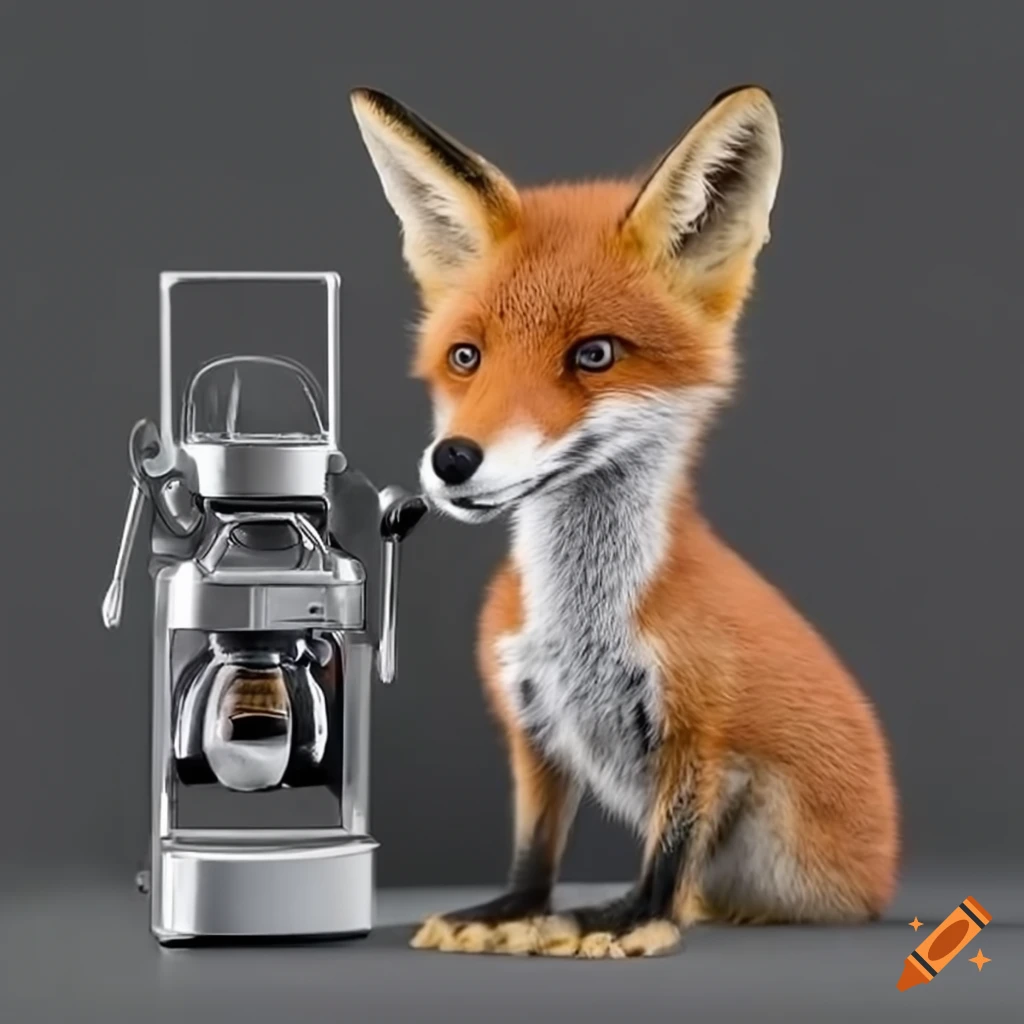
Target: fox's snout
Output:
{"points": [[455, 459], [475, 480]]}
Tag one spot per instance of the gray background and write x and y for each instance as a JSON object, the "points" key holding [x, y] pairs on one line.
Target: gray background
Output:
{"points": [[871, 466]]}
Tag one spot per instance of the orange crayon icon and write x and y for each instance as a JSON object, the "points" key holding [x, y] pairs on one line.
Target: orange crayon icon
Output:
{"points": [[943, 944]]}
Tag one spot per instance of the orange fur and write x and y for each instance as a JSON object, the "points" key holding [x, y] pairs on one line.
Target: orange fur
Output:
{"points": [[746, 674], [721, 631], [566, 273]]}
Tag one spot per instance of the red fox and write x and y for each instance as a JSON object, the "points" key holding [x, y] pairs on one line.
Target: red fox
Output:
{"points": [[577, 341]]}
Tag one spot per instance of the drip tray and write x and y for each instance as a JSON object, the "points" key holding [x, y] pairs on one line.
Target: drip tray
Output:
{"points": [[262, 883]]}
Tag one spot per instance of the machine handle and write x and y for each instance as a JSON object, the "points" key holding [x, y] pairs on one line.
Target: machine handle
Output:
{"points": [[400, 512], [143, 444], [113, 600]]}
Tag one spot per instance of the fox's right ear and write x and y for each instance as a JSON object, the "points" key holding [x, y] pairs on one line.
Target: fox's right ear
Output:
{"points": [[704, 209], [453, 205]]}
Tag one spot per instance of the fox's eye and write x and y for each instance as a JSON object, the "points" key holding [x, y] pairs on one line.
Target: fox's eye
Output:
{"points": [[595, 355], [464, 358]]}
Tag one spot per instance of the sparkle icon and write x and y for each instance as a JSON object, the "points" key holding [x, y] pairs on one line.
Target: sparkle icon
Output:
{"points": [[981, 959], [915, 924]]}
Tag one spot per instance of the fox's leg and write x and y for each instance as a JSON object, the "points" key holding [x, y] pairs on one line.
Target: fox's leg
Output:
{"points": [[545, 803], [765, 873], [683, 828]]}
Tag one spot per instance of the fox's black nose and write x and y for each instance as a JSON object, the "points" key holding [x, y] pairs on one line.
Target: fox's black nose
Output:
{"points": [[456, 459]]}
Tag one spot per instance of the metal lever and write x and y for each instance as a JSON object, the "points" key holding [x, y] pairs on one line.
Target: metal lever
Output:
{"points": [[113, 600], [400, 512], [143, 443]]}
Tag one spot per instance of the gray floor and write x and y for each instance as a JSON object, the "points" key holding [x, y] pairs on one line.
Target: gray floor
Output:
{"points": [[82, 953]]}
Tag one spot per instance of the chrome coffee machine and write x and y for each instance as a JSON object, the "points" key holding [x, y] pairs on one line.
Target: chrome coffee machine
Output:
{"points": [[263, 649]]}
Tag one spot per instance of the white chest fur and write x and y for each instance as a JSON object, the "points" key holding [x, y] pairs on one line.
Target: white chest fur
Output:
{"points": [[581, 679]]}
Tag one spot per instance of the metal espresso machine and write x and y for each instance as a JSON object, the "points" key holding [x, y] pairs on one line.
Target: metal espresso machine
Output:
{"points": [[263, 652]]}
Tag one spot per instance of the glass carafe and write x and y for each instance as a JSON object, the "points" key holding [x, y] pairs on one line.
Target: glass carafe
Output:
{"points": [[252, 712]]}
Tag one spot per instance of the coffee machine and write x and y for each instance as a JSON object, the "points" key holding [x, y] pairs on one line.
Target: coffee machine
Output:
{"points": [[263, 647]]}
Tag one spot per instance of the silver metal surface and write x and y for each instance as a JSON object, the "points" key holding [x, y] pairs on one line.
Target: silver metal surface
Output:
{"points": [[176, 500], [389, 611], [113, 600], [241, 599], [162, 794], [312, 542], [318, 712], [188, 725], [357, 659], [273, 883], [399, 512], [259, 470], [218, 883]]}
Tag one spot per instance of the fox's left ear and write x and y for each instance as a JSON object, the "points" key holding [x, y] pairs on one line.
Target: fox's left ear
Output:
{"points": [[707, 202], [452, 204]]}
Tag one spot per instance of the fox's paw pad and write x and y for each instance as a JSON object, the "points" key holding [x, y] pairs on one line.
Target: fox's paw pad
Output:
{"points": [[655, 938], [449, 935], [433, 933], [516, 938], [599, 946], [557, 936], [453, 936], [472, 938], [561, 936]]}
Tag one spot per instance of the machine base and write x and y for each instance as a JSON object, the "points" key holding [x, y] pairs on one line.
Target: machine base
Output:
{"points": [[269, 886], [241, 941]]}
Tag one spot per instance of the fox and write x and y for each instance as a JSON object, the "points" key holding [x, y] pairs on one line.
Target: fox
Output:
{"points": [[577, 341]]}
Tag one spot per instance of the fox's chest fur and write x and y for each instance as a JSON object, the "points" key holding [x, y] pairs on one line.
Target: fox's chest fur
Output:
{"points": [[579, 677]]}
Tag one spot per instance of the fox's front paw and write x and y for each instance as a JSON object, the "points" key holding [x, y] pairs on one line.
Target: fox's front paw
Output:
{"points": [[450, 935], [505, 925], [570, 936]]}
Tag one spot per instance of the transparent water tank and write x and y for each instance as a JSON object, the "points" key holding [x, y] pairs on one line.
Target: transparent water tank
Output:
{"points": [[254, 400], [255, 426]]}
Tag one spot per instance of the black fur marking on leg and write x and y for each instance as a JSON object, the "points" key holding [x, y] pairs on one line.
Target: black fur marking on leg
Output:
{"points": [[652, 896], [526, 692], [532, 870], [509, 906], [528, 893], [643, 727]]}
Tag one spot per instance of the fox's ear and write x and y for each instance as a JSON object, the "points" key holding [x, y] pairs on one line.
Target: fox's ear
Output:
{"points": [[708, 200], [452, 204]]}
